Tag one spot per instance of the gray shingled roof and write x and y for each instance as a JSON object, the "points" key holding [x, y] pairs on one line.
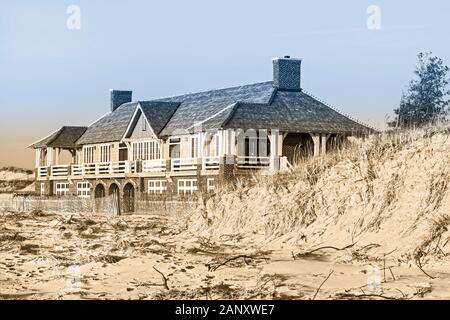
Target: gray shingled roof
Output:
{"points": [[255, 106], [293, 111], [158, 113], [110, 127], [214, 105], [62, 138]]}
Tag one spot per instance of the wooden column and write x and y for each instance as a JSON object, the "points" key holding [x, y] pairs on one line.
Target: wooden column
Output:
{"points": [[57, 151], [324, 138], [50, 156], [316, 140], [274, 150], [38, 158], [280, 144]]}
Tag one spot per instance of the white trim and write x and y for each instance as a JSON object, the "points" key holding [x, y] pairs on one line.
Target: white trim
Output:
{"points": [[133, 118], [83, 155], [156, 189], [184, 189], [107, 157], [84, 189], [62, 188]]}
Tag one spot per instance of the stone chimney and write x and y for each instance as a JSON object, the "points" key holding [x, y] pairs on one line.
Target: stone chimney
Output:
{"points": [[119, 97], [287, 73]]}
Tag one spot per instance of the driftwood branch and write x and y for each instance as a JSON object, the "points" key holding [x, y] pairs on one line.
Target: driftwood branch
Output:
{"points": [[242, 256], [368, 295], [323, 282], [164, 278], [419, 265], [322, 248]]}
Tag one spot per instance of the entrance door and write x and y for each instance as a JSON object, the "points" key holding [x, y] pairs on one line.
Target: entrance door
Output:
{"points": [[99, 195], [114, 196], [128, 198]]}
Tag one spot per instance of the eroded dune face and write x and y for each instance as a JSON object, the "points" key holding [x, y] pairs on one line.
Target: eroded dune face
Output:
{"points": [[390, 190]]}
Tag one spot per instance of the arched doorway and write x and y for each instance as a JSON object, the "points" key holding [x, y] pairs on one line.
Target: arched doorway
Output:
{"points": [[99, 196], [128, 198], [297, 147], [114, 196]]}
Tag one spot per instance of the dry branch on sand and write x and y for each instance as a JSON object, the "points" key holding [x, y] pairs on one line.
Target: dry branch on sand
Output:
{"points": [[323, 282], [310, 252], [165, 285], [213, 266]]}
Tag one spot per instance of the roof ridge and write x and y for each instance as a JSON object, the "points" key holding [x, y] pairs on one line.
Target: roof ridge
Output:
{"points": [[210, 90], [339, 111]]}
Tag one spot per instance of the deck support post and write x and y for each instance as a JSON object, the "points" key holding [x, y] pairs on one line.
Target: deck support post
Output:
{"points": [[324, 143], [274, 164], [316, 141]]}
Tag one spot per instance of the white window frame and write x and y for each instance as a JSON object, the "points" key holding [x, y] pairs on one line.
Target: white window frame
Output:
{"points": [[62, 188], [146, 150], [210, 184], [88, 154], [194, 146], [105, 153], [83, 189], [156, 186], [42, 188], [187, 186]]}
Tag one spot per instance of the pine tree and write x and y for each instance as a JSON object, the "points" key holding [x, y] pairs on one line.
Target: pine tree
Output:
{"points": [[426, 100]]}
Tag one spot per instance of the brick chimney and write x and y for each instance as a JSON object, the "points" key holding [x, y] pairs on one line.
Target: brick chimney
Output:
{"points": [[119, 97], [287, 73]]}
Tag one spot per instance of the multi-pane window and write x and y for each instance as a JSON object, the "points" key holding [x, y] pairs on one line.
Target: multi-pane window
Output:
{"points": [[187, 186], [146, 150], [194, 147], [157, 186], [210, 184], [88, 154], [62, 188], [42, 189], [105, 153], [83, 189]]}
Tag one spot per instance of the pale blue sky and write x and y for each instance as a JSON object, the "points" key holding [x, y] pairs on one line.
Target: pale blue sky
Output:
{"points": [[52, 76]]}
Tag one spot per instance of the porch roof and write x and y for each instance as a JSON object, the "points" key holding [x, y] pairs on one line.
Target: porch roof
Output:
{"points": [[292, 111], [64, 137]]}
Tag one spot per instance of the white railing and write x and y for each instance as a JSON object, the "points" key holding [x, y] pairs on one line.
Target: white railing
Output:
{"points": [[252, 162], [42, 172], [59, 171], [154, 165], [102, 168], [120, 167], [184, 164], [77, 169], [211, 163]]}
